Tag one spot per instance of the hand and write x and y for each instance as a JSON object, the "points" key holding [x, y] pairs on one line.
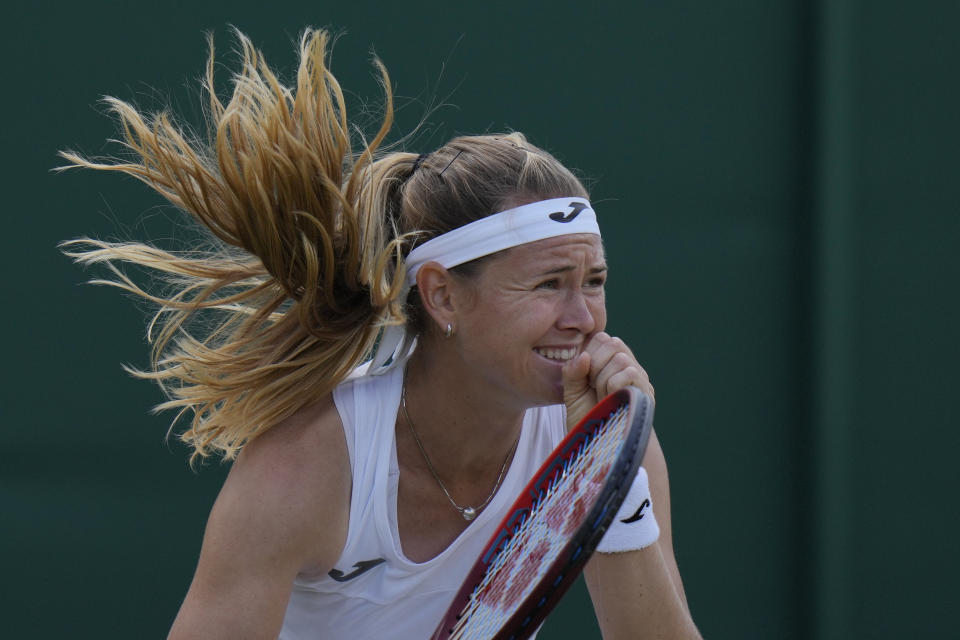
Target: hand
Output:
{"points": [[605, 365]]}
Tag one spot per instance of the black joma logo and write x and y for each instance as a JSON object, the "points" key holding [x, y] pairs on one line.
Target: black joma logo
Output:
{"points": [[639, 514], [361, 567], [577, 207]]}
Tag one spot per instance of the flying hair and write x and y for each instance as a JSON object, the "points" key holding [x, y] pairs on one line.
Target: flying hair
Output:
{"points": [[307, 264]]}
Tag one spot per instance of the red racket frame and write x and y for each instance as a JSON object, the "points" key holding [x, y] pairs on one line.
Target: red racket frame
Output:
{"points": [[570, 562]]}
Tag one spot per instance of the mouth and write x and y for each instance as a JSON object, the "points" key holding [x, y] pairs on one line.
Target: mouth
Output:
{"points": [[556, 354]]}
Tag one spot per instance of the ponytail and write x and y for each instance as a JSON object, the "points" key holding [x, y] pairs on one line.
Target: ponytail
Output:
{"points": [[306, 262]]}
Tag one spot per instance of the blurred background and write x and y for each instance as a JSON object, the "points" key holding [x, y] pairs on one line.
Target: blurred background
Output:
{"points": [[777, 184]]}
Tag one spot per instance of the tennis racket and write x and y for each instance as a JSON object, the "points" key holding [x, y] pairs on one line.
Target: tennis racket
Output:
{"points": [[553, 527]]}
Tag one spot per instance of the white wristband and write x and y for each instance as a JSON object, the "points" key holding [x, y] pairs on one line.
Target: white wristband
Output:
{"points": [[634, 526]]}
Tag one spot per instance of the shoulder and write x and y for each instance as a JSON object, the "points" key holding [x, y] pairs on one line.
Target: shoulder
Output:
{"points": [[292, 483], [296, 442], [284, 508]]}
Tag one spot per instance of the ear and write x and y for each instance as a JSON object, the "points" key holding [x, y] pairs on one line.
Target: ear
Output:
{"points": [[436, 286]]}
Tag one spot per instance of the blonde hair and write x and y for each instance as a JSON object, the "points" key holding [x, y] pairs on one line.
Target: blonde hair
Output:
{"points": [[307, 265]]}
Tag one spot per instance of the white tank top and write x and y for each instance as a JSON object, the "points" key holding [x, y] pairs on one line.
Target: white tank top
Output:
{"points": [[374, 591]]}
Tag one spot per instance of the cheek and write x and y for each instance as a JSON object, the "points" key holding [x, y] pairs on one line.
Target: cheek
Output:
{"points": [[599, 311]]}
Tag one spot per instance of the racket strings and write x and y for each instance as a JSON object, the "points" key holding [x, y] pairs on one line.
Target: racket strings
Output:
{"points": [[541, 535]]}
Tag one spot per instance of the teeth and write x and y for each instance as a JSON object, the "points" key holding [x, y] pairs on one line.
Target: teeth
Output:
{"points": [[557, 354]]}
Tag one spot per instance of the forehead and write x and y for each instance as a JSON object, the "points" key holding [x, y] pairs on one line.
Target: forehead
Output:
{"points": [[573, 249]]}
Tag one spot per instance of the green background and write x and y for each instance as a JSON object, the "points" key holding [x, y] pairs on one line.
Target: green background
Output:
{"points": [[777, 184]]}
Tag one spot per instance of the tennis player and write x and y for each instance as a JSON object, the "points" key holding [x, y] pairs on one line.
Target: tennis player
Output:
{"points": [[386, 345]]}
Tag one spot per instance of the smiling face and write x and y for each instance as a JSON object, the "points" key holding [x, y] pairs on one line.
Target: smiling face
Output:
{"points": [[531, 308]]}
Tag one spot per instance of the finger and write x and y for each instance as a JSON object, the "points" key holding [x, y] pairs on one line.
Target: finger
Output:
{"points": [[629, 376], [578, 394], [602, 340], [608, 356], [575, 375], [601, 347], [620, 371]]}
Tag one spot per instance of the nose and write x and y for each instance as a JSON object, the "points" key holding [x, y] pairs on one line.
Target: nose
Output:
{"points": [[578, 313]]}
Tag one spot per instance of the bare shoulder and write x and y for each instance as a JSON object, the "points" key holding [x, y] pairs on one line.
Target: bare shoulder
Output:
{"points": [[293, 484], [284, 508]]}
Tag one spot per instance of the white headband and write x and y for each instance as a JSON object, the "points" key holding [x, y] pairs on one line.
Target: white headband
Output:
{"points": [[520, 225], [510, 228]]}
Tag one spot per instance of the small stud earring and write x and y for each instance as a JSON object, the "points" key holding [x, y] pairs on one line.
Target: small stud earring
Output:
{"points": [[449, 331]]}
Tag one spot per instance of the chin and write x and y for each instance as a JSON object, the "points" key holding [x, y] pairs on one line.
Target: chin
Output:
{"points": [[556, 396]]}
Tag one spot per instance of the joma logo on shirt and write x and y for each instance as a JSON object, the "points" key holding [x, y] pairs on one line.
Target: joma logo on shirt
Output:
{"points": [[361, 567]]}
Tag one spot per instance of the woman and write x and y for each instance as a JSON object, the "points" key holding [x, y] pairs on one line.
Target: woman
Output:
{"points": [[363, 488]]}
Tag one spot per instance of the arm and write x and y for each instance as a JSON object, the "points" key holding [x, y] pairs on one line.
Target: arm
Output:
{"points": [[639, 594], [635, 594], [283, 508]]}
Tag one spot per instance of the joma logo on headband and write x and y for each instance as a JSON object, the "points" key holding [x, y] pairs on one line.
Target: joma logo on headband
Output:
{"points": [[577, 207]]}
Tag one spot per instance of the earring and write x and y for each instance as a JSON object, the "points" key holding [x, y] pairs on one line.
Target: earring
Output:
{"points": [[449, 331]]}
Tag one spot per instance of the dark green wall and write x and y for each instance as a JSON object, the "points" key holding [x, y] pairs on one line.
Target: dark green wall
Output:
{"points": [[777, 187]]}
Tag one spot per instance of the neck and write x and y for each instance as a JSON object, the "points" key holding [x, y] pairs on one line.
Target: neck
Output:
{"points": [[465, 429]]}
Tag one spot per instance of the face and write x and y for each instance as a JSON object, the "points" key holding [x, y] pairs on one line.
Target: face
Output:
{"points": [[529, 310]]}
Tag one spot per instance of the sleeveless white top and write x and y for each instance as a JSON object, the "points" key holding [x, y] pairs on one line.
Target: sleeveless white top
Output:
{"points": [[374, 591]]}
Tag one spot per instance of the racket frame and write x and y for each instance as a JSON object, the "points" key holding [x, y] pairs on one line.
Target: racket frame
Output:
{"points": [[568, 564]]}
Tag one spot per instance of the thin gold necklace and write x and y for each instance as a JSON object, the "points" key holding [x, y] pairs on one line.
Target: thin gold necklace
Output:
{"points": [[468, 513]]}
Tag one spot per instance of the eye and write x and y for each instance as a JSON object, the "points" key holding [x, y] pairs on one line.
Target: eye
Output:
{"points": [[553, 283], [597, 281]]}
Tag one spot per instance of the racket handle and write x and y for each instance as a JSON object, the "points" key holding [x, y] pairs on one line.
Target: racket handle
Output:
{"points": [[635, 526]]}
